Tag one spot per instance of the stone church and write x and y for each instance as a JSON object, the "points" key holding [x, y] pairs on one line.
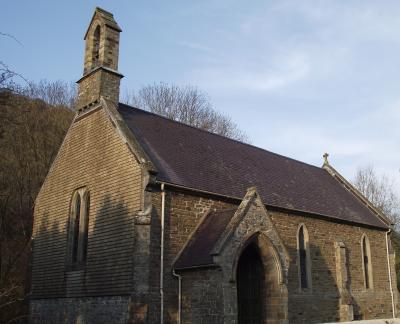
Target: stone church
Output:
{"points": [[146, 220]]}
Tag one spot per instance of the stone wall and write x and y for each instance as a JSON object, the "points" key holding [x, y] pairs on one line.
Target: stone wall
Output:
{"points": [[321, 304], [98, 83], [202, 301], [92, 155], [183, 214], [184, 211], [99, 310], [100, 61], [252, 226], [124, 250], [108, 44]]}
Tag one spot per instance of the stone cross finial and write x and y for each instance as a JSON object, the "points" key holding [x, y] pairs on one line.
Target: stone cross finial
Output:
{"points": [[326, 158]]}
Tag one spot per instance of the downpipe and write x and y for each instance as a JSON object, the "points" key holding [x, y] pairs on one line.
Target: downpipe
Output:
{"points": [[390, 273], [179, 295], [162, 254]]}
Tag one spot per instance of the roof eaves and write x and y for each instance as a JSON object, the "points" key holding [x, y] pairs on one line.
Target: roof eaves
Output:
{"points": [[127, 136], [190, 239], [270, 206]]}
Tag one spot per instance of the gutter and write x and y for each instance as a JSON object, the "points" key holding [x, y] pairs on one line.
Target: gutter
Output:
{"points": [[279, 208], [390, 273], [162, 254]]}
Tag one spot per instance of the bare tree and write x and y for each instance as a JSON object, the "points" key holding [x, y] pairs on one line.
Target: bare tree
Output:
{"points": [[187, 104], [31, 132], [54, 93], [7, 75], [380, 191]]}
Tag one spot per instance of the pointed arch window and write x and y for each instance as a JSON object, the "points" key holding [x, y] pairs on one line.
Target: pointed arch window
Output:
{"points": [[366, 262], [96, 47], [303, 258], [78, 226]]}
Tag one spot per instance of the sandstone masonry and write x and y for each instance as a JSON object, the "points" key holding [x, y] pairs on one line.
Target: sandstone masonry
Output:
{"points": [[124, 278]]}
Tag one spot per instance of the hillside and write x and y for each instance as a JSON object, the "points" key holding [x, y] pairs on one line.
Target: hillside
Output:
{"points": [[31, 132]]}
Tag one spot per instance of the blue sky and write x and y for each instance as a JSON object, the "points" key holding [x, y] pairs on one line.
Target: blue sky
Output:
{"points": [[300, 77]]}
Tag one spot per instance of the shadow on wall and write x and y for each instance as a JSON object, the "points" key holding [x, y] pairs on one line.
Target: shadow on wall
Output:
{"points": [[106, 272], [170, 282], [154, 271], [47, 270], [322, 302], [109, 259], [48, 257]]}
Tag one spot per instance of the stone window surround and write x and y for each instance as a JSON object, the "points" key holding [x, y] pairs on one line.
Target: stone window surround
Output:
{"points": [[308, 259], [84, 195], [95, 53], [370, 275], [275, 268]]}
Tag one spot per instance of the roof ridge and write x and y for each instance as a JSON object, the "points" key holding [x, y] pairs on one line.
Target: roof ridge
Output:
{"points": [[224, 137]]}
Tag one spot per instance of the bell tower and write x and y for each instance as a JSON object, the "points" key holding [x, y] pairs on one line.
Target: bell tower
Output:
{"points": [[100, 74]]}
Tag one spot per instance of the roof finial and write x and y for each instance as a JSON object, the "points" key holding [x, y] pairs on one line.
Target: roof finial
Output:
{"points": [[326, 162]]}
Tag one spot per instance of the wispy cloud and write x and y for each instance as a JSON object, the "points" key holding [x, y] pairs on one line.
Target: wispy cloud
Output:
{"points": [[195, 46], [324, 70], [300, 77], [234, 75]]}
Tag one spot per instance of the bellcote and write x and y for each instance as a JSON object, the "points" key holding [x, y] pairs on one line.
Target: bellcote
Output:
{"points": [[100, 74]]}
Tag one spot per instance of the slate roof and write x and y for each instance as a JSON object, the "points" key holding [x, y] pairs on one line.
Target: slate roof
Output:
{"points": [[200, 160], [197, 252]]}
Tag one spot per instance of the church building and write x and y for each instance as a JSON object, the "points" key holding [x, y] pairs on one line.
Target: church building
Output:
{"points": [[142, 219]]}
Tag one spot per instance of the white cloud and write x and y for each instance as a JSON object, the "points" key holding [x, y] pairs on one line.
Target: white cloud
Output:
{"points": [[305, 77], [236, 75]]}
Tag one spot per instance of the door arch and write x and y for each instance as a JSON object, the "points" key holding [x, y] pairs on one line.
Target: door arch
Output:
{"points": [[250, 286]]}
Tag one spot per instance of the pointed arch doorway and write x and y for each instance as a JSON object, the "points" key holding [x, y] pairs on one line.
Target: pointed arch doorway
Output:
{"points": [[250, 286]]}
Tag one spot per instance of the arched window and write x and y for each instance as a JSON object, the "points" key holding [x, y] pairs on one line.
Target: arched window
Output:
{"points": [[78, 226], [76, 220], [366, 262], [96, 47], [85, 226], [303, 258]]}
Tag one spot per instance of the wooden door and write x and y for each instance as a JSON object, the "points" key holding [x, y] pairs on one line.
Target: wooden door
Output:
{"points": [[250, 286]]}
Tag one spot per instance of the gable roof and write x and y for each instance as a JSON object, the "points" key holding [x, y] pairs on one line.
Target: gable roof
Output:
{"points": [[107, 17], [193, 158], [218, 226], [197, 252]]}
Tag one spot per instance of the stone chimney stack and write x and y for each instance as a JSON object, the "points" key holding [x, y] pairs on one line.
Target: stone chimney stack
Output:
{"points": [[100, 74]]}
